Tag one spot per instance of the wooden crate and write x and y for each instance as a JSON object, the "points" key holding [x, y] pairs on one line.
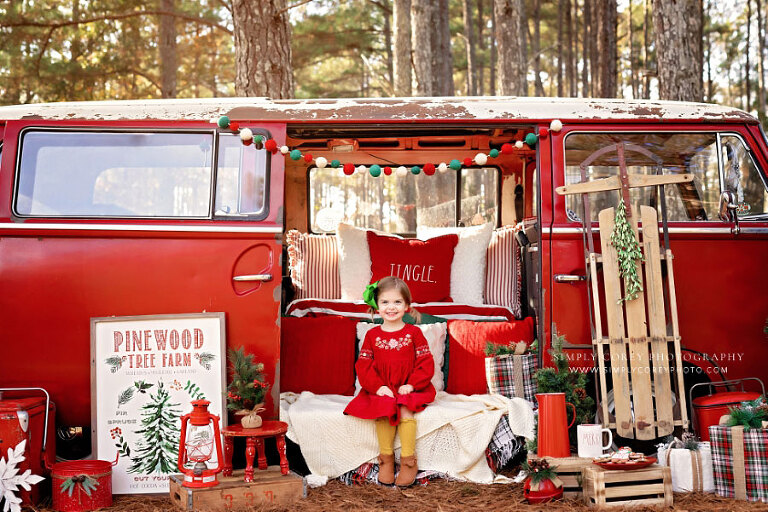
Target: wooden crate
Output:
{"points": [[569, 471], [647, 486], [268, 486]]}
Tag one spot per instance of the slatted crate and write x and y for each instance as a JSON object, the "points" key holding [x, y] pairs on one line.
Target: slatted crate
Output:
{"points": [[648, 486], [569, 471]]}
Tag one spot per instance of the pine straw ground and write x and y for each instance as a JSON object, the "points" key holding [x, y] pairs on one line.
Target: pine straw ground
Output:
{"points": [[438, 495]]}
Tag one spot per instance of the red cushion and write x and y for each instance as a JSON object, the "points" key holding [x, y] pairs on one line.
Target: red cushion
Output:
{"points": [[318, 355], [466, 364], [424, 265]]}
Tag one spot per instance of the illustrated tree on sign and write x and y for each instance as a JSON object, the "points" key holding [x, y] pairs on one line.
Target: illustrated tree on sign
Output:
{"points": [[158, 449]]}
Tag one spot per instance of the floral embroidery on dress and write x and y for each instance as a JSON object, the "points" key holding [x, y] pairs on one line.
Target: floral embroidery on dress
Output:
{"points": [[366, 353], [422, 350], [393, 343]]}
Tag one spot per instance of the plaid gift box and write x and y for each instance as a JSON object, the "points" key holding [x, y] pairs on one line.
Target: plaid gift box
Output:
{"points": [[511, 375], [740, 462]]}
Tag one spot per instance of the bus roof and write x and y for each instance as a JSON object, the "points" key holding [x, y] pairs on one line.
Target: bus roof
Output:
{"points": [[395, 110]]}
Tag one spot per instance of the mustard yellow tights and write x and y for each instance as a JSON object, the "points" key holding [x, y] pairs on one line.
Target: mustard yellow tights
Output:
{"points": [[386, 434]]}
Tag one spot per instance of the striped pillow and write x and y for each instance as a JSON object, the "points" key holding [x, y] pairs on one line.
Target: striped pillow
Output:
{"points": [[502, 274], [313, 261]]}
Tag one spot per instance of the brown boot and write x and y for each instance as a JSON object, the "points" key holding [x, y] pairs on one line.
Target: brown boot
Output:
{"points": [[408, 470], [386, 469]]}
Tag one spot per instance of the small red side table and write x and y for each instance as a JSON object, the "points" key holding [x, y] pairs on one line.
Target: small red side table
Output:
{"points": [[254, 438]]}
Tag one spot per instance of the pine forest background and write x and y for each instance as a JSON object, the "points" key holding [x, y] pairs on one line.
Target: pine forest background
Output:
{"points": [[67, 50]]}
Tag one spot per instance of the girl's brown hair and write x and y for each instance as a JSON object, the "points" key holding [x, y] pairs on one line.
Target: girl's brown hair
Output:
{"points": [[395, 283]]}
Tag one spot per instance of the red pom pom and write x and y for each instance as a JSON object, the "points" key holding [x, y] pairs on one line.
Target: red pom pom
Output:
{"points": [[234, 126], [349, 169], [507, 148], [543, 132], [467, 162], [429, 169], [308, 157], [388, 170], [248, 142], [270, 145]]}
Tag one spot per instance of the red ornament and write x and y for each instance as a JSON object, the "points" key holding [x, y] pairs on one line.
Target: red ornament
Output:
{"points": [[387, 170], [507, 148], [234, 126], [429, 169], [467, 162], [308, 157], [270, 145], [349, 169], [543, 132]]}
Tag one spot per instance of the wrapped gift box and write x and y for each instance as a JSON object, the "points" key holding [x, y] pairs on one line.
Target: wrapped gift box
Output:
{"points": [[740, 462], [691, 469], [512, 376]]}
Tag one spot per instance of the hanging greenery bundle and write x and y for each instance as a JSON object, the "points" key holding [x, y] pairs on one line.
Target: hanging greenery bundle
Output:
{"points": [[628, 252]]}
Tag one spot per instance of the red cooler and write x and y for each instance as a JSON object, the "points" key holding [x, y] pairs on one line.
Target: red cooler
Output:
{"points": [[23, 417], [708, 409]]}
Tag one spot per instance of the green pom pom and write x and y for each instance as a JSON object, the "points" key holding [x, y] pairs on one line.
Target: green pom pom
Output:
{"points": [[493, 153], [257, 139], [375, 171], [295, 154], [455, 165], [335, 164], [531, 139], [415, 169], [223, 122]]}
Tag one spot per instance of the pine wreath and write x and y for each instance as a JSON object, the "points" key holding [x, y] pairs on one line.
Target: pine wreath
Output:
{"points": [[627, 252]]}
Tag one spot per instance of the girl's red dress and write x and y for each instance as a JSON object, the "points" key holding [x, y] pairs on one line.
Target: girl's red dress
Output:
{"points": [[393, 359]]}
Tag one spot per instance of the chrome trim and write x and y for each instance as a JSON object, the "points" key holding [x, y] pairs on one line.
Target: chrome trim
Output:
{"points": [[139, 227], [253, 277], [719, 230]]}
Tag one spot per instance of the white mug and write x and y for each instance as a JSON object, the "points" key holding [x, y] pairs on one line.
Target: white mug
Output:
{"points": [[590, 438]]}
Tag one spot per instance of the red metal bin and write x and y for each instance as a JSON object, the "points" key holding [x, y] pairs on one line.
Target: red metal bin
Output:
{"points": [[708, 409], [30, 418]]}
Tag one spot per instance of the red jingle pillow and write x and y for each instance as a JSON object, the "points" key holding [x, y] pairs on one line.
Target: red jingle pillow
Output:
{"points": [[317, 354], [466, 370], [425, 266]]}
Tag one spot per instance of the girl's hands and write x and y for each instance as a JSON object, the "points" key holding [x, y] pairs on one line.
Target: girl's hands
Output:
{"points": [[405, 389], [385, 391]]}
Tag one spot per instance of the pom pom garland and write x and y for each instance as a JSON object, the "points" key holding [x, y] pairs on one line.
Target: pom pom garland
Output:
{"points": [[321, 162], [531, 139], [415, 169], [361, 169], [375, 171], [543, 132], [349, 169], [234, 126], [335, 164], [467, 162], [455, 165], [429, 169], [493, 153], [519, 144], [308, 158], [506, 149], [556, 125], [442, 167], [258, 139], [246, 134], [387, 171], [481, 159], [401, 171], [295, 154], [223, 122], [270, 145], [284, 150]]}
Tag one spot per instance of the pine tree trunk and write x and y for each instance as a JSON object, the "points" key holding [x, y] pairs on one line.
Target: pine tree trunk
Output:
{"points": [[678, 30], [422, 31], [511, 38], [387, 29], [492, 67], [560, 88], [469, 33], [646, 52], [632, 66], [746, 54], [575, 48], [262, 49], [606, 48], [167, 48], [536, 47], [760, 62], [570, 71], [402, 57], [586, 48], [443, 60], [480, 48], [709, 84]]}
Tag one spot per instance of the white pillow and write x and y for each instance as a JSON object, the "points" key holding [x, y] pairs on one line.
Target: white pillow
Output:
{"points": [[354, 261], [468, 267], [435, 334]]}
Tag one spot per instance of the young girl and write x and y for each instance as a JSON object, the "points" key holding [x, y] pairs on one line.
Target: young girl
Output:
{"points": [[395, 368]]}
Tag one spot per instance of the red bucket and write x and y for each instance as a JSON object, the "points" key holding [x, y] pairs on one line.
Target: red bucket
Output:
{"points": [[80, 485]]}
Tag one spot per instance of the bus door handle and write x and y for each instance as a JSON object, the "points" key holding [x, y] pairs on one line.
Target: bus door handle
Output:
{"points": [[569, 278], [253, 277]]}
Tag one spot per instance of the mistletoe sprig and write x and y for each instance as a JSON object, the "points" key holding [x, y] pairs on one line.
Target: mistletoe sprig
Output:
{"points": [[625, 242], [87, 483]]}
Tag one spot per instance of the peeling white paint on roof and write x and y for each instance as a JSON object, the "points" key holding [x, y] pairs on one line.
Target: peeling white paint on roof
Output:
{"points": [[381, 109]]}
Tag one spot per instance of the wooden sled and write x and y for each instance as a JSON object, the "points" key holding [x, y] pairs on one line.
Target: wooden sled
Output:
{"points": [[643, 375]]}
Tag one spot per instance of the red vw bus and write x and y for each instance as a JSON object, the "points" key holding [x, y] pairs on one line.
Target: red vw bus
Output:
{"points": [[148, 207]]}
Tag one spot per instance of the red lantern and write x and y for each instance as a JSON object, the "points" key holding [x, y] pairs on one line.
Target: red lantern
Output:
{"points": [[199, 434]]}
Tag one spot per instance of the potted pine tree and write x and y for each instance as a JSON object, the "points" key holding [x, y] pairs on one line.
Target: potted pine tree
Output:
{"points": [[246, 392], [541, 484]]}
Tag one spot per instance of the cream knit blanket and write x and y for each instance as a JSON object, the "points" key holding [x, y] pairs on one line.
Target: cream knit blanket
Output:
{"points": [[451, 436]]}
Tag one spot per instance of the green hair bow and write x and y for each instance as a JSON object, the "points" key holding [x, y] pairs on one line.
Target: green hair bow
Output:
{"points": [[369, 295]]}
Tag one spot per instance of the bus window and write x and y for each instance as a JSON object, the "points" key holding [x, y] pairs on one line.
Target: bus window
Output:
{"points": [[744, 179]]}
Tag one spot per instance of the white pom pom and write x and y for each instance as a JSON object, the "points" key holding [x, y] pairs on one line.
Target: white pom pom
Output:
{"points": [[361, 168], [284, 150], [401, 171], [519, 144], [556, 125], [442, 167], [321, 162], [246, 134], [481, 159]]}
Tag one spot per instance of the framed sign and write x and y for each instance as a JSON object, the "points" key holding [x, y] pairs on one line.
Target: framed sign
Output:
{"points": [[145, 371]]}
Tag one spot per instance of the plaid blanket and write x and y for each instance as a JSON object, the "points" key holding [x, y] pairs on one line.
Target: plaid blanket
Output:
{"points": [[504, 378], [502, 449]]}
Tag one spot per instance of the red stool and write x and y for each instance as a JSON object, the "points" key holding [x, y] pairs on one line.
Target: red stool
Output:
{"points": [[254, 439]]}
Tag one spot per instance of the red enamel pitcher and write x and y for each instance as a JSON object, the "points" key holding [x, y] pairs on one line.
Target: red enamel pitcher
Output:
{"points": [[553, 425]]}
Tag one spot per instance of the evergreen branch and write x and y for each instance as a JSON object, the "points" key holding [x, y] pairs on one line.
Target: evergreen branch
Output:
{"points": [[205, 359], [628, 253], [116, 362], [125, 397], [194, 390]]}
